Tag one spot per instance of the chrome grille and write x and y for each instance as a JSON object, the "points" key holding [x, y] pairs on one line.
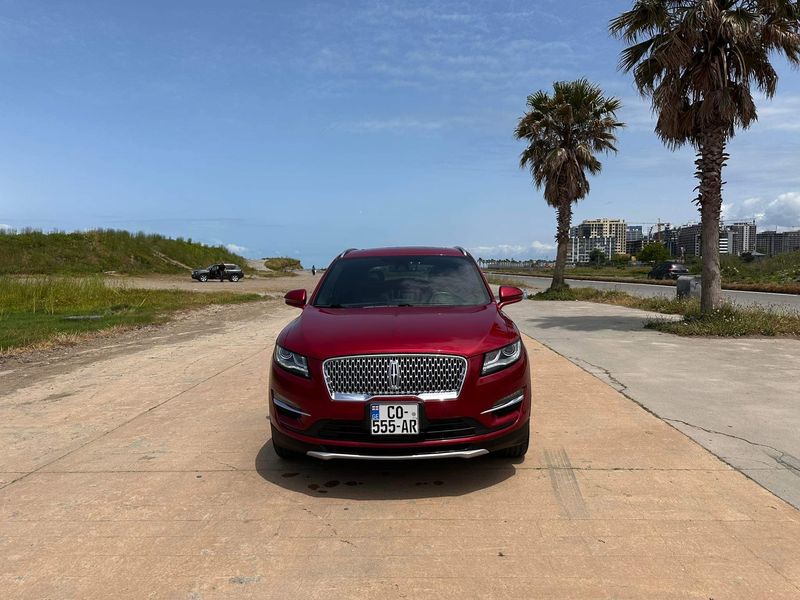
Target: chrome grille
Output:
{"points": [[426, 376]]}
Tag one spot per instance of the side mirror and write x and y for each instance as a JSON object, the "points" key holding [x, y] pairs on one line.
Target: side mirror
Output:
{"points": [[509, 295], [296, 298]]}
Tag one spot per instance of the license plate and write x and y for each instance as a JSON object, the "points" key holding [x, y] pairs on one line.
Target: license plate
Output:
{"points": [[394, 419]]}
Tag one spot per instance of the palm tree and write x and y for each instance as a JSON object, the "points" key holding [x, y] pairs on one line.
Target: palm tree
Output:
{"points": [[564, 132], [698, 61]]}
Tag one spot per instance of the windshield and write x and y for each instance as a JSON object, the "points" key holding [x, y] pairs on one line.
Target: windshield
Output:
{"points": [[402, 281]]}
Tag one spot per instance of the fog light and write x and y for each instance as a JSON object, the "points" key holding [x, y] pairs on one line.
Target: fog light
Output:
{"points": [[507, 402]]}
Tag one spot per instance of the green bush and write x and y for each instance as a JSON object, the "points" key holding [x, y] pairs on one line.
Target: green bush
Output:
{"points": [[282, 263], [653, 253]]}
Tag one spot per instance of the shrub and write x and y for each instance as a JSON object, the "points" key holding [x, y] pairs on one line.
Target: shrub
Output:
{"points": [[282, 263]]}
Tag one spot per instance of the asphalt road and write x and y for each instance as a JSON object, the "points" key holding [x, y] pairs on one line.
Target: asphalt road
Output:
{"points": [[736, 397], [783, 301]]}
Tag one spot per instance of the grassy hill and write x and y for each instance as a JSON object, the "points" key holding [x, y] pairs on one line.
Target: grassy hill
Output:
{"points": [[97, 251]]}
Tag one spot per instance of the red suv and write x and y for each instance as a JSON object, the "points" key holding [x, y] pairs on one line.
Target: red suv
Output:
{"points": [[401, 353]]}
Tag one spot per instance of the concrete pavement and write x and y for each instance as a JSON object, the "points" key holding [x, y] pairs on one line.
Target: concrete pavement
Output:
{"points": [[147, 473], [781, 301], [736, 397]]}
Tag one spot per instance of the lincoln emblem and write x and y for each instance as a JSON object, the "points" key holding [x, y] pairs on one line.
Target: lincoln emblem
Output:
{"points": [[394, 374]]}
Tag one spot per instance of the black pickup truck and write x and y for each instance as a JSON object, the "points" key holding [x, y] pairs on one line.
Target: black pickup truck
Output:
{"points": [[229, 271]]}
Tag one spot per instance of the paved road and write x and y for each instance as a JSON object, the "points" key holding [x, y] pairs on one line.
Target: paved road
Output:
{"points": [[783, 301], [739, 398], [142, 468]]}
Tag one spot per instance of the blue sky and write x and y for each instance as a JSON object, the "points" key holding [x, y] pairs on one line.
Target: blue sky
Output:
{"points": [[302, 128]]}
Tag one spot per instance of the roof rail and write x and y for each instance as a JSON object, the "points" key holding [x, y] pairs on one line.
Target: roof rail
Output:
{"points": [[460, 249], [345, 252]]}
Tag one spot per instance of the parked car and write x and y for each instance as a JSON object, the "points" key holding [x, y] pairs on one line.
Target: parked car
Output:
{"points": [[232, 272], [400, 353], [668, 270]]}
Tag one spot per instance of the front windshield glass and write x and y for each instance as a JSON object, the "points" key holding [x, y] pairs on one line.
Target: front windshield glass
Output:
{"points": [[402, 281]]}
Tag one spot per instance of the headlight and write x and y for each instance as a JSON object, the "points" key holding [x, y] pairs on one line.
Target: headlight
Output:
{"points": [[501, 358], [291, 361]]}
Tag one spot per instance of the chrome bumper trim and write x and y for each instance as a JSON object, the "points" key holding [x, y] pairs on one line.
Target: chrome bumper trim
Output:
{"points": [[449, 454], [511, 402], [425, 396], [288, 406]]}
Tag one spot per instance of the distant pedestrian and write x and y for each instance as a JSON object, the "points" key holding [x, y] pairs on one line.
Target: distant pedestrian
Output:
{"points": [[313, 270], [221, 271]]}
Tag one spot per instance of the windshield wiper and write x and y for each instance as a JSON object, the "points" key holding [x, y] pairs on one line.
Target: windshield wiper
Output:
{"points": [[329, 306]]}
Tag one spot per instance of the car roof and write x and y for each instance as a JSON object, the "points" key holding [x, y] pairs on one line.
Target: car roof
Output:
{"points": [[403, 251]]}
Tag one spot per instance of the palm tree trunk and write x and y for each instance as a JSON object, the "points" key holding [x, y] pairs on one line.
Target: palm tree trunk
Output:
{"points": [[562, 237], [711, 159]]}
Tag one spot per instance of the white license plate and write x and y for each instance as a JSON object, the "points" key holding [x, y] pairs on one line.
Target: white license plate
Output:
{"points": [[394, 419]]}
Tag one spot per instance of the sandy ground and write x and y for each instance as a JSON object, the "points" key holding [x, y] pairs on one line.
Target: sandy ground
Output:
{"points": [[145, 471], [261, 285]]}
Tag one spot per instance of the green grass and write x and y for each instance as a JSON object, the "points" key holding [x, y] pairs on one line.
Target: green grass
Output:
{"points": [[731, 321], [626, 271], [34, 311], [778, 269], [88, 252], [661, 304], [501, 280], [728, 321]]}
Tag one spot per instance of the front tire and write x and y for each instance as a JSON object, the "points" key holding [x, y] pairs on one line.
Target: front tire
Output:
{"points": [[203, 278], [234, 278]]}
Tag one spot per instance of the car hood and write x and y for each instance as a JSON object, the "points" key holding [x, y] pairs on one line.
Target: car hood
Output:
{"points": [[326, 332]]}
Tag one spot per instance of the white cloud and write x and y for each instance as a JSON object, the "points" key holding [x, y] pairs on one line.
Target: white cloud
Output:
{"points": [[637, 114], [535, 249], [394, 125], [403, 124], [235, 248], [5, 226], [781, 113], [782, 211]]}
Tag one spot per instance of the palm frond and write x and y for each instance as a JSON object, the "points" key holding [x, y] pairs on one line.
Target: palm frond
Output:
{"points": [[698, 59], [564, 132]]}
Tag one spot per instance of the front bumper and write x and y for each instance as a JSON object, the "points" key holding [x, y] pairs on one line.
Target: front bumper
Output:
{"points": [[465, 427], [464, 448]]}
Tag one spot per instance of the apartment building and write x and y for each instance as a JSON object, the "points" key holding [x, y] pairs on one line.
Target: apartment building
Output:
{"points": [[729, 241], [745, 240], [581, 247], [733, 239], [777, 242], [689, 240], [605, 228]]}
